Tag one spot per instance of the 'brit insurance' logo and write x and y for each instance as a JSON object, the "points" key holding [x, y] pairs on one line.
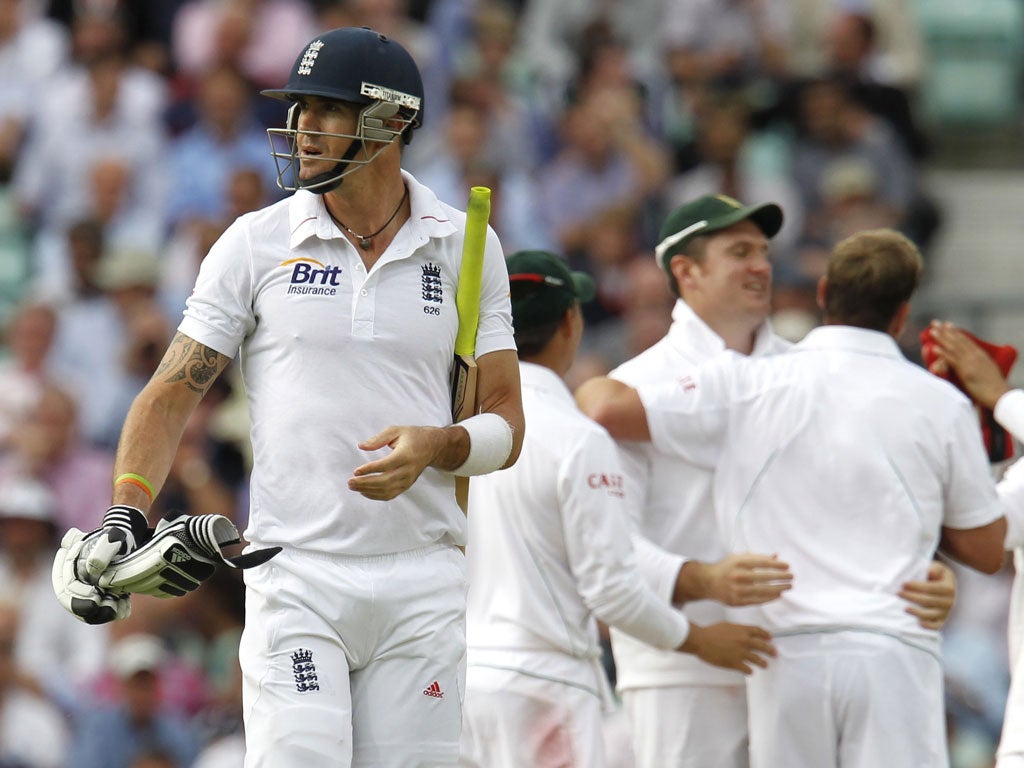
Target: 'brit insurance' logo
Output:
{"points": [[310, 276]]}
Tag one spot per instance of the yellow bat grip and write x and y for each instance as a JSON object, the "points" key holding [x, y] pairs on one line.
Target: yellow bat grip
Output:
{"points": [[467, 295]]}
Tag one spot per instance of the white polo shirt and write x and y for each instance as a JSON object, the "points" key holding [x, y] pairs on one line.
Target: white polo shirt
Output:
{"points": [[842, 457], [549, 545], [671, 504], [331, 354]]}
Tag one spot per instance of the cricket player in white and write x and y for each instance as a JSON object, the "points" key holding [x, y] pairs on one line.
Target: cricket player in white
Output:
{"points": [[985, 383], [852, 464], [724, 282], [339, 302], [549, 552]]}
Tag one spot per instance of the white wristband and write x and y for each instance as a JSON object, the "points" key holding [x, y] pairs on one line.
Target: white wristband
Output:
{"points": [[490, 443]]}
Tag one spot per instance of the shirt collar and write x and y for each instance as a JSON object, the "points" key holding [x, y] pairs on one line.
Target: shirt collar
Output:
{"points": [[689, 332], [308, 216], [543, 378], [852, 339]]}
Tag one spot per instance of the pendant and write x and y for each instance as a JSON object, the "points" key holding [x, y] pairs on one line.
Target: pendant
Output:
{"points": [[364, 243]]}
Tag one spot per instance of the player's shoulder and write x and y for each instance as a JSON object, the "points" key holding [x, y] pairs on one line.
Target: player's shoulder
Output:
{"points": [[924, 381], [550, 422], [653, 364]]}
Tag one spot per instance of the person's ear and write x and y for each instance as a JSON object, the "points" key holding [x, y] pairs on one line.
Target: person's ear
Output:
{"points": [[681, 267], [565, 328], [822, 292], [899, 320]]}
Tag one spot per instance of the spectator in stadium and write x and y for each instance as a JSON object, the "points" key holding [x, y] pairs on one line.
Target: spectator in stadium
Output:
{"points": [[25, 371], [115, 734], [114, 110], [609, 158], [468, 154], [47, 445], [32, 51], [225, 138], [33, 732], [257, 37], [55, 656], [834, 128]]}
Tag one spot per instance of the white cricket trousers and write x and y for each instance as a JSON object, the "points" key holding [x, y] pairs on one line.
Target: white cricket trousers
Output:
{"points": [[515, 720], [847, 700], [688, 726], [354, 661]]}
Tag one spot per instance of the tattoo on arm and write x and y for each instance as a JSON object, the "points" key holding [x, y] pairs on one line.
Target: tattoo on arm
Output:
{"points": [[191, 362]]}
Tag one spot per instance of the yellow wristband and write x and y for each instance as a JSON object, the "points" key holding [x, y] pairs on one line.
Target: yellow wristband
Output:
{"points": [[137, 480]]}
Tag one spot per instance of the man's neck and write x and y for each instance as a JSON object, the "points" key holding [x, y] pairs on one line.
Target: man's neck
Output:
{"points": [[739, 335]]}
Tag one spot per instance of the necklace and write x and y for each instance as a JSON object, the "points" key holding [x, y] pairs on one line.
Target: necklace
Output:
{"points": [[364, 240]]}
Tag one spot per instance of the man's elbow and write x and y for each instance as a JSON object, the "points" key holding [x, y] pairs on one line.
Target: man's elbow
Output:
{"points": [[991, 562], [517, 448]]}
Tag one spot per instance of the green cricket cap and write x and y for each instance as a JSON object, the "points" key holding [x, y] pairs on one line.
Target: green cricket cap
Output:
{"points": [[543, 287], [708, 214]]}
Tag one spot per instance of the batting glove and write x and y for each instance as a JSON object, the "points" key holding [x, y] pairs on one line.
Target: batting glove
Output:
{"points": [[123, 529], [183, 552], [85, 601]]}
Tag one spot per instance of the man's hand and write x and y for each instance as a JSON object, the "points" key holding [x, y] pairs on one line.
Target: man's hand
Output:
{"points": [[932, 599], [732, 646], [740, 579], [978, 372], [85, 601], [413, 449]]}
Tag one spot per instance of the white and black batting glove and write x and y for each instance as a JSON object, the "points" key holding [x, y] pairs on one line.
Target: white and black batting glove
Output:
{"points": [[183, 552], [123, 530], [85, 601]]}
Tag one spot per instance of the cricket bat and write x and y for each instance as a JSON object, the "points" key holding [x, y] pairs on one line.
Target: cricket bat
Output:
{"points": [[467, 302]]}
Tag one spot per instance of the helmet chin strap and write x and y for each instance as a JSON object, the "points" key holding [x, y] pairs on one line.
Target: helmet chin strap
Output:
{"points": [[331, 180]]}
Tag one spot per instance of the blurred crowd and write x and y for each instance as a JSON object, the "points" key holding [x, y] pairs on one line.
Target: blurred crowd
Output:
{"points": [[132, 134]]}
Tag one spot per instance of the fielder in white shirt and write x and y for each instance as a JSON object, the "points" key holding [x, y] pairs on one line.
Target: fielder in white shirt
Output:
{"points": [[684, 713], [339, 303], [549, 554], [986, 385], [853, 465]]}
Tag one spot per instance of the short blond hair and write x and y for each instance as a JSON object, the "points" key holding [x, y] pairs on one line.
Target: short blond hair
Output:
{"points": [[870, 275]]}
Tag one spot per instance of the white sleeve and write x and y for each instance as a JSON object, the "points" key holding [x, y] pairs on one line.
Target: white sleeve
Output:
{"points": [[219, 312], [495, 330], [688, 417], [659, 567], [970, 499], [601, 557]]}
